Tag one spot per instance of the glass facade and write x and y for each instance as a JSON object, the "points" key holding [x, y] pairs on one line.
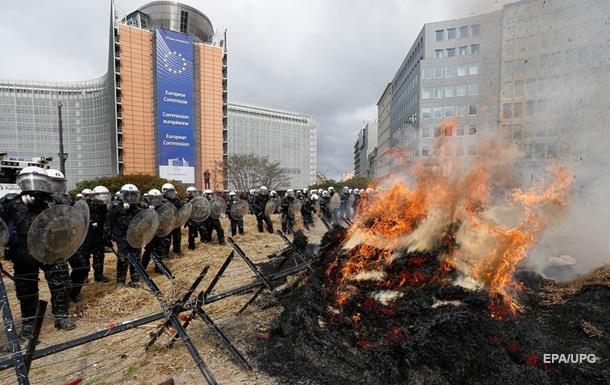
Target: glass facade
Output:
{"points": [[29, 124], [285, 137]]}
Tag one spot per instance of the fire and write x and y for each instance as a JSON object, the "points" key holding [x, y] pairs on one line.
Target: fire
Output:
{"points": [[475, 218]]}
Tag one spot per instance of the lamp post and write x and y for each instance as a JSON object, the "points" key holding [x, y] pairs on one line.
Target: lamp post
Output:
{"points": [[62, 155]]}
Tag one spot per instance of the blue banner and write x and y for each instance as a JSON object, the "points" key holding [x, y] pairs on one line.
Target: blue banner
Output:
{"points": [[175, 133]]}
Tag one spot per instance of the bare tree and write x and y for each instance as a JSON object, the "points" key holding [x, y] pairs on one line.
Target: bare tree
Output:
{"points": [[248, 171]]}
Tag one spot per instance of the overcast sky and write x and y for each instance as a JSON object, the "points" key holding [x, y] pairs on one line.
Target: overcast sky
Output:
{"points": [[328, 58]]}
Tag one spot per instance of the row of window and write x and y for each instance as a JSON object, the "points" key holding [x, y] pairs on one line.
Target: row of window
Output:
{"points": [[449, 111], [470, 129], [448, 150], [475, 49], [533, 107], [450, 91], [454, 33], [452, 71]]}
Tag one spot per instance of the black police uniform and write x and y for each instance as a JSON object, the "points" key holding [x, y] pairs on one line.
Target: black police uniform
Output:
{"points": [[260, 201], [307, 210], [19, 217], [212, 224], [286, 220], [237, 224], [119, 219], [196, 229], [175, 237]]}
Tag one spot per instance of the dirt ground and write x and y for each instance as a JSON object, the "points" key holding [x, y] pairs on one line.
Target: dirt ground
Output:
{"points": [[121, 359]]}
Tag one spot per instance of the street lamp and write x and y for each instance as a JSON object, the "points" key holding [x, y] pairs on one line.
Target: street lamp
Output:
{"points": [[62, 155]]}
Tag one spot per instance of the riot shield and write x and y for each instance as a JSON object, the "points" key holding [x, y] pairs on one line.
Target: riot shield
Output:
{"points": [[294, 210], [201, 209], [217, 208], [183, 215], [334, 203], [239, 209], [167, 219], [3, 233], [142, 228], [81, 209], [350, 206], [270, 207], [56, 234]]}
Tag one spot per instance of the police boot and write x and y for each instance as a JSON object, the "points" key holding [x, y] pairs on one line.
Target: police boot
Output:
{"points": [[62, 322], [27, 333], [102, 278]]}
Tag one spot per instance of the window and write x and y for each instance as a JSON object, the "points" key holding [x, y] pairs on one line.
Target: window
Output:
{"points": [[475, 49], [438, 72], [425, 132], [473, 69], [462, 70], [464, 32], [448, 131], [426, 113], [439, 53], [508, 68], [463, 51], [438, 92], [473, 110], [519, 88], [462, 111], [440, 35], [427, 73], [425, 151], [507, 109], [476, 29], [460, 131], [450, 72], [184, 16], [426, 93], [473, 89], [472, 129], [450, 52], [449, 92], [460, 90], [438, 112], [451, 34], [530, 107], [532, 87], [518, 110], [449, 111]]}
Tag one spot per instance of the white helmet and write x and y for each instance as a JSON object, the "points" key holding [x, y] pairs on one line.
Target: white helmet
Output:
{"points": [[232, 193], [351, 191], [290, 193], [167, 186], [369, 190], [325, 194], [79, 196], [34, 179], [289, 190], [331, 189], [87, 192], [208, 191], [356, 191], [314, 197], [192, 192], [58, 181], [345, 189], [117, 194], [101, 194], [263, 190], [273, 193], [155, 197], [305, 191], [252, 191], [130, 193], [320, 191]]}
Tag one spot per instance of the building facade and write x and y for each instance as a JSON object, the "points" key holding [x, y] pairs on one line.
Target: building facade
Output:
{"points": [[286, 137], [383, 156], [365, 143], [161, 108]]}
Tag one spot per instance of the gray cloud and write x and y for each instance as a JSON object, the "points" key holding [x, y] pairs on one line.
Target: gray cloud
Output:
{"points": [[330, 59]]}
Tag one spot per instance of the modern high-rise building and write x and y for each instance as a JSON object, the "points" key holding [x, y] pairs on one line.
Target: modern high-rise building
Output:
{"points": [[289, 138], [533, 70], [383, 157], [365, 144], [160, 109]]}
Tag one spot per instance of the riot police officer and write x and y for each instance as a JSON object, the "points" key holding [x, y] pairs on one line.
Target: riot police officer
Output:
{"points": [[286, 219], [212, 224], [251, 199], [122, 211], [19, 213], [345, 210], [307, 211], [260, 201], [237, 224], [195, 229], [175, 237], [325, 210], [155, 200]]}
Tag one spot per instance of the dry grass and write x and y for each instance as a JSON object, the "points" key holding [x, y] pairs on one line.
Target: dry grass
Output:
{"points": [[120, 359], [557, 293]]}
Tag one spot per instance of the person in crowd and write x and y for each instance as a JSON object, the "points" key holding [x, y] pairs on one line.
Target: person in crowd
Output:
{"points": [[237, 224]]}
